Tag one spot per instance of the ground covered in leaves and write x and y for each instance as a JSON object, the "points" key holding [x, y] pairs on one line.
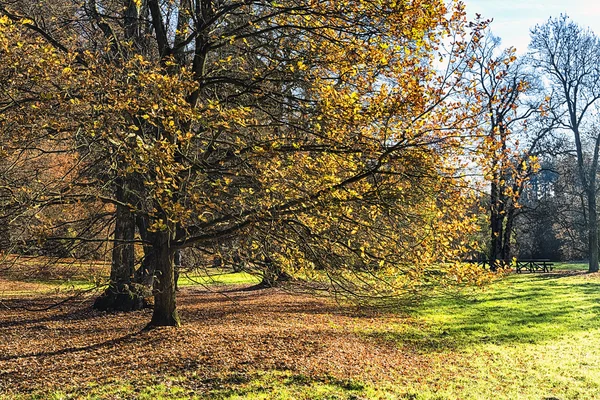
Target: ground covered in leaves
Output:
{"points": [[531, 336], [225, 336]]}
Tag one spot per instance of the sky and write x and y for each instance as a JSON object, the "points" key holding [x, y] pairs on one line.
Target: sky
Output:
{"points": [[512, 19]]}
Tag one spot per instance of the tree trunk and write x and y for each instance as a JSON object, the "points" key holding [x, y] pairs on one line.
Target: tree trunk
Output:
{"points": [[145, 273], [165, 307], [121, 295], [496, 224], [506, 245], [593, 230], [273, 274], [122, 253]]}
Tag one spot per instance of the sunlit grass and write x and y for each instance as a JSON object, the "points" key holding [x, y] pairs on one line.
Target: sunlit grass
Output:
{"points": [[267, 385], [217, 277], [21, 286], [530, 336], [571, 266]]}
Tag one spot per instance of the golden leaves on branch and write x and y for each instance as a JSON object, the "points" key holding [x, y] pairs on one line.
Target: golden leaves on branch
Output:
{"points": [[326, 132]]}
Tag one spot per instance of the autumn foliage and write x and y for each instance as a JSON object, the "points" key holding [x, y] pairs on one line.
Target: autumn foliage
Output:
{"points": [[320, 139]]}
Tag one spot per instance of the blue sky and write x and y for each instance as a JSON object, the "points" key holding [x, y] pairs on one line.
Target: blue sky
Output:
{"points": [[514, 18]]}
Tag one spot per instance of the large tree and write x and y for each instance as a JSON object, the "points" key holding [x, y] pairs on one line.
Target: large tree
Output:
{"points": [[569, 57], [311, 137]]}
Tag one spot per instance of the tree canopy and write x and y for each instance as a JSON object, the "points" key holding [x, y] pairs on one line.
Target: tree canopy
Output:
{"points": [[318, 138]]}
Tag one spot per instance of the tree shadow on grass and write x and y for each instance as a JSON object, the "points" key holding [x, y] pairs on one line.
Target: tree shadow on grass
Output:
{"points": [[527, 314], [211, 307], [78, 315], [558, 275]]}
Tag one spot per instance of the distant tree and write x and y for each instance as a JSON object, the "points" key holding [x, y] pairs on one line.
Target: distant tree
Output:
{"points": [[568, 207], [542, 209], [569, 58], [515, 131]]}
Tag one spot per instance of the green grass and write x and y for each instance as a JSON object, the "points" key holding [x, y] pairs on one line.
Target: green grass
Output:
{"points": [[38, 287], [268, 385], [217, 277], [195, 278], [571, 266], [529, 336]]}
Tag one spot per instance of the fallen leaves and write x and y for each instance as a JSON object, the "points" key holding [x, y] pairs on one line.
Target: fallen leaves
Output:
{"points": [[247, 331]]}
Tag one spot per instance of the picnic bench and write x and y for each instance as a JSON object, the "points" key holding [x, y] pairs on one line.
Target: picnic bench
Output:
{"points": [[532, 265], [539, 265]]}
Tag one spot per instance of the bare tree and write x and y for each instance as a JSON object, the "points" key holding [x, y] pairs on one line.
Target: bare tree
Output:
{"points": [[516, 128], [569, 56]]}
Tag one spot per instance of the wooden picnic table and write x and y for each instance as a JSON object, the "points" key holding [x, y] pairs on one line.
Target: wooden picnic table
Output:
{"points": [[537, 265], [531, 265]]}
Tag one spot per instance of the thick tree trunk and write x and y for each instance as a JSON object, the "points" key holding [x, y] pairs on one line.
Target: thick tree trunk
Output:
{"points": [[165, 307], [122, 253], [145, 273], [121, 295], [496, 225], [593, 230], [506, 245]]}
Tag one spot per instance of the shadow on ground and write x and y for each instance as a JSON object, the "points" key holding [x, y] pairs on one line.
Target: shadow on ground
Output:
{"points": [[537, 309]]}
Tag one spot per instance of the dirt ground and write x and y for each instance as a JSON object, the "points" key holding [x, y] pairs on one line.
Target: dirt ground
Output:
{"points": [[240, 331]]}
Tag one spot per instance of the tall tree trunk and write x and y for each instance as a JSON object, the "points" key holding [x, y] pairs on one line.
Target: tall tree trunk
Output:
{"points": [[165, 307], [122, 253], [593, 230], [506, 245], [121, 295], [593, 211], [496, 224], [135, 17], [144, 275]]}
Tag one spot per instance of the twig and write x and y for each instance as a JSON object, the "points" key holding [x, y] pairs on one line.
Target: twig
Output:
{"points": [[4, 305]]}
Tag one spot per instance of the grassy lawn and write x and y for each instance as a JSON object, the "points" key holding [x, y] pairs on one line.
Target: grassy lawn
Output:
{"points": [[217, 277], [529, 336], [571, 266]]}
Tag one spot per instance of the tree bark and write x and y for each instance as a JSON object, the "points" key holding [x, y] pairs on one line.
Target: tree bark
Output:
{"points": [[165, 307], [593, 230], [506, 245], [121, 295], [122, 253], [496, 225]]}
